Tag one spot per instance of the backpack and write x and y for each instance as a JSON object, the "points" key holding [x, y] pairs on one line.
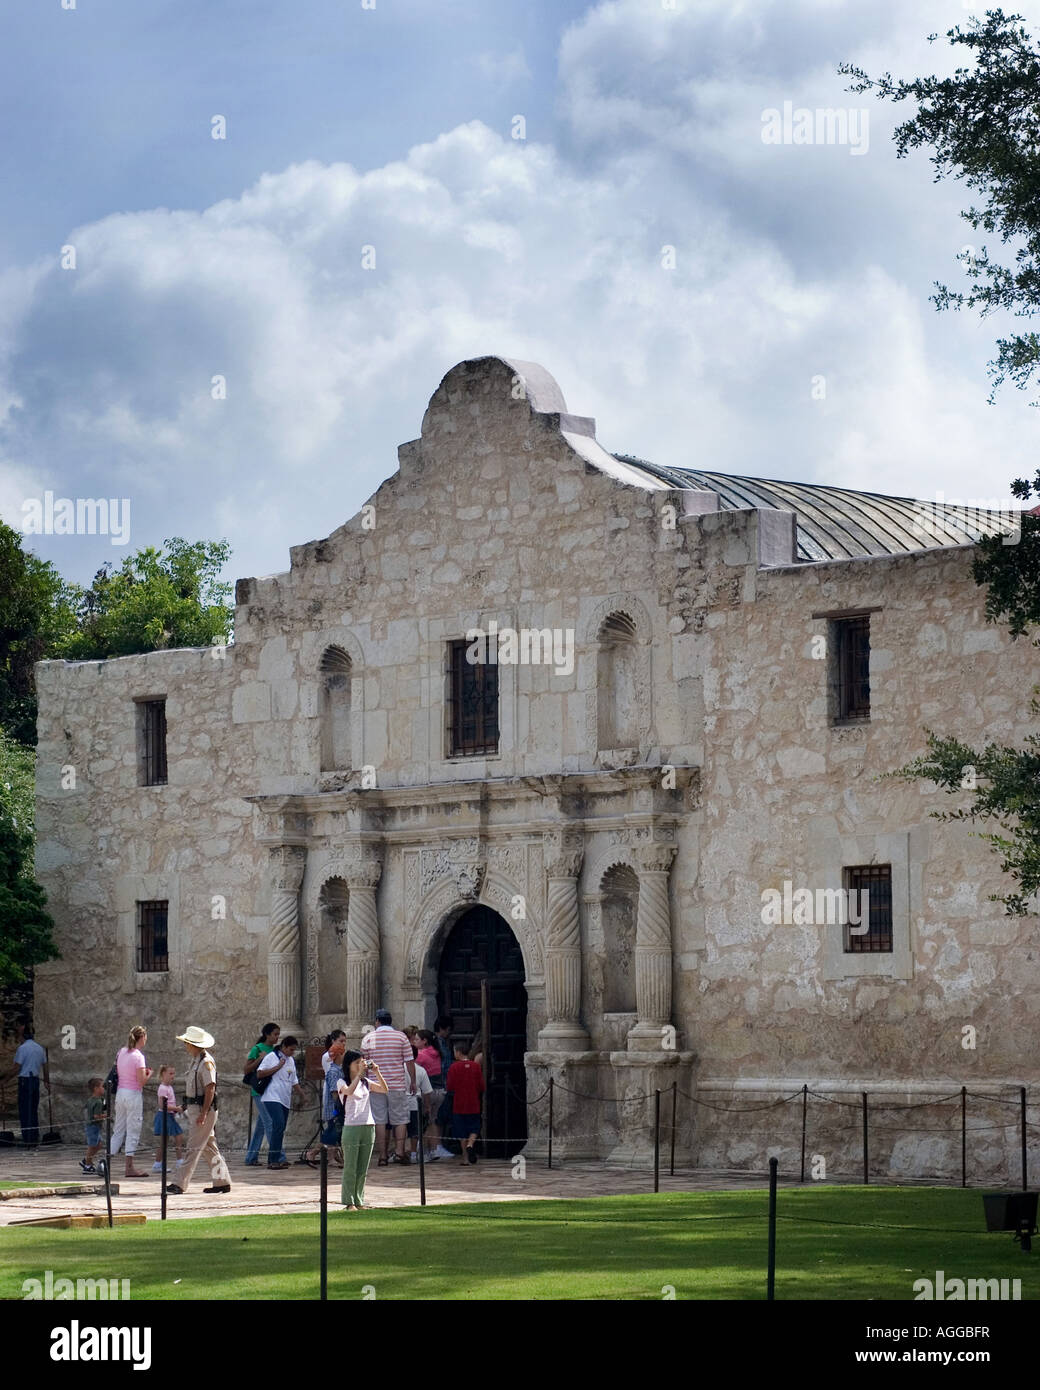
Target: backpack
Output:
{"points": [[254, 1081], [260, 1083]]}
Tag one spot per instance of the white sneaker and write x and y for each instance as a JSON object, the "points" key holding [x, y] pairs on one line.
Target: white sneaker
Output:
{"points": [[157, 1167], [442, 1152]]}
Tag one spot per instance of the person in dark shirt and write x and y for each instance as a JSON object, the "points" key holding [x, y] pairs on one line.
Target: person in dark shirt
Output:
{"points": [[465, 1086]]}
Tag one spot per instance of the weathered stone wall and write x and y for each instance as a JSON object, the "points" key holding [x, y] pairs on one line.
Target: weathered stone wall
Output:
{"points": [[503, 511]]}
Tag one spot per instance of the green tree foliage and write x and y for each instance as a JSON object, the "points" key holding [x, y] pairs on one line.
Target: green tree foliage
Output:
{"points": [[983, 127], [35, 617], [157, 598], [25, 925]]}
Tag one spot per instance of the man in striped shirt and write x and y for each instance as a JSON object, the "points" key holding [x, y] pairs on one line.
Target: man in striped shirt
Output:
{"points": [[392, 1053]]}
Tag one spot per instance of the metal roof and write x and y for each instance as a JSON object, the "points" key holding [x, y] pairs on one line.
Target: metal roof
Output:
{"points": [[835, 523]]}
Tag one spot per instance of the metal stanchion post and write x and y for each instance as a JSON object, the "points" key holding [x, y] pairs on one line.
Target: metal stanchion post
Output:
{"points": [[550, 1119], [671, 1168], [805, 1105], [964, 1136], [108, 1148], [866, 1160], [1025, 1159], [771, 1257], [324, 1223], [165, 1112], [421, 1147], [657, 1141]]}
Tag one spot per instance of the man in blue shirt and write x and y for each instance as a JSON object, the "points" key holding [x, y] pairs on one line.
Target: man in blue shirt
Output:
{"points": [[30, 1063]]}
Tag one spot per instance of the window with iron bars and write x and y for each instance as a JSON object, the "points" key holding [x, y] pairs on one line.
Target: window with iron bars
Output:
{"points": [[875, 881], [153, 944], [851, 670], [472, 699], [151, 734]]}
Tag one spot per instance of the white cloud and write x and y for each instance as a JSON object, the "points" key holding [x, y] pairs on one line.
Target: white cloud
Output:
{"points": [[504, 69], [791, 262]]}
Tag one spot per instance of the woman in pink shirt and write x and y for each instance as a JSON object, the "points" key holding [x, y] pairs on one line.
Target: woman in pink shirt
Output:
{"points": [[129, 1107]]}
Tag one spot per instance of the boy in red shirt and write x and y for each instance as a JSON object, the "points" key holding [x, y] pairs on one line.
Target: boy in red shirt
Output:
{"points": [[465, 1085]]}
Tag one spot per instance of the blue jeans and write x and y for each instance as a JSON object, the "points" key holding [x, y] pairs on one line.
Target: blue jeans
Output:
{"points": [[261, 1131], [277, 1119]]}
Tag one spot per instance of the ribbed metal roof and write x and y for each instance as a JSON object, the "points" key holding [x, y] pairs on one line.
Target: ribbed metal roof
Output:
{"points": [[835, 523]]}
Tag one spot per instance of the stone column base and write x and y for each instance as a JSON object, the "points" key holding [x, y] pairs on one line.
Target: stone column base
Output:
{"points": [[576, 1120], [637, 1075], [563, 1037], [652, 1037]]}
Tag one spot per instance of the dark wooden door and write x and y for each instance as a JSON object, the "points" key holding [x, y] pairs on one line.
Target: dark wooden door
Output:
{"points": [[481, 947]]}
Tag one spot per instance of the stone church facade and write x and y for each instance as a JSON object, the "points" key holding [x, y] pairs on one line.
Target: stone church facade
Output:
{"points": [[689, 691]]}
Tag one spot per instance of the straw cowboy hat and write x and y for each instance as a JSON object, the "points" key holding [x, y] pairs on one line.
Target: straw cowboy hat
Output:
{"points": [[198, 1037]]}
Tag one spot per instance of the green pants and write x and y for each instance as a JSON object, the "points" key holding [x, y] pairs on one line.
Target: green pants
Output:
{"points": [[358, 1142]]}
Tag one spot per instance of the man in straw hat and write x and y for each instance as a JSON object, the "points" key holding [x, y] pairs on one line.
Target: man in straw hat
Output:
{"points": [[200, 1104]]}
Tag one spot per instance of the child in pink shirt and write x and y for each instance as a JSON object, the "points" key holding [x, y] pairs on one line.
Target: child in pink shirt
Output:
{"points": [[166, 1092]]}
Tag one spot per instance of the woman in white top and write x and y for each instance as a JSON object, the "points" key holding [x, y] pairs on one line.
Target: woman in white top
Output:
{"points": [[359, 1129], [276, 1097]]}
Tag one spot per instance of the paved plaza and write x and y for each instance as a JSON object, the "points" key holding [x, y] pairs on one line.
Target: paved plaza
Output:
{"points": [[256, 1190]]}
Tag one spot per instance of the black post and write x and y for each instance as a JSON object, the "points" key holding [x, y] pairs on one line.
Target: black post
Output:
{"points": [[1025, 1161], [657, 1141], [964, 1136], [550, 1119], [671, 1166], [866, 1159], [324, 1223], [771, 1273], [422, 1157], [108, 1149], [165, 1112], [805, 1103]]}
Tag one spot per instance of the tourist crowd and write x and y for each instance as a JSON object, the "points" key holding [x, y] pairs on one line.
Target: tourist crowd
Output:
{"points": [[403, 1085]]}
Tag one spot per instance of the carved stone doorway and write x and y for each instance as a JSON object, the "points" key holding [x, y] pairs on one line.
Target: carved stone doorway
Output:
{"points": [[481, 984]]}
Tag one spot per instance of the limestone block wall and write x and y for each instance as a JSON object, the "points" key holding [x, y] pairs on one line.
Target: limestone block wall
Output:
{"points": [[104, 843], [788, 797]]}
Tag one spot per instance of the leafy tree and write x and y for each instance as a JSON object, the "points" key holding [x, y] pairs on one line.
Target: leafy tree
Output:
{"points": [[25, 925], [157, 598], [983, 126], [35, 616]]}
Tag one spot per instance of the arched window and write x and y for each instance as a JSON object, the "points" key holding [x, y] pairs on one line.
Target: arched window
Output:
{"points": [[335, 711], [332, 947], [617, 704], [620, 889]]}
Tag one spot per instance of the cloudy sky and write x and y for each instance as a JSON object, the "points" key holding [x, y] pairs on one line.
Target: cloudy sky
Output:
{"points": [[394, 128]]}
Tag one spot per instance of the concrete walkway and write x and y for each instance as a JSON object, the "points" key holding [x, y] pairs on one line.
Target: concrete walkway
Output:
{"points": [[256, 1190]]}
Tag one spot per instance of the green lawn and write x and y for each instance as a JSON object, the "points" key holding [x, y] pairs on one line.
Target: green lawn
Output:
{"points": [[833, 1243]]}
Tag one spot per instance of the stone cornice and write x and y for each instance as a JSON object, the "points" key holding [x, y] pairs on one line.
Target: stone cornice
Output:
{"points": [[567, 793]]}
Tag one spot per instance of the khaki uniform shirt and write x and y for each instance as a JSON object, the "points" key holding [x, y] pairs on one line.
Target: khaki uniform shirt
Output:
{"points": [[202, 1072]]}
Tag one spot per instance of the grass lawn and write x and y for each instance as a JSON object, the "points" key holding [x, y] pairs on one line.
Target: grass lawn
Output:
{"points": [[832, 1243]]}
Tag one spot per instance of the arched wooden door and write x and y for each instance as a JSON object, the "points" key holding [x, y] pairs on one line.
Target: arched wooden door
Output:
{"points": [[481, 984]]}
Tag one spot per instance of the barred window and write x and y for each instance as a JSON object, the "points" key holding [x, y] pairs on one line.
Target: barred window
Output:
{"points": [[851, 669], [153, 948], [868, 889], [151, 742], [472, 698]]}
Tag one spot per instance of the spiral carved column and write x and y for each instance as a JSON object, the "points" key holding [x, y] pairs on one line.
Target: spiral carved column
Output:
{"points": [[653, 950], [363, 951], [563, 1030], [283, 944]]}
